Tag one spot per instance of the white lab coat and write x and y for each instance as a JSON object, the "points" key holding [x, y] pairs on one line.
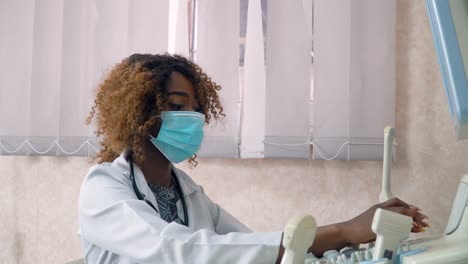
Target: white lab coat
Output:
{"points": [[116, 227]]}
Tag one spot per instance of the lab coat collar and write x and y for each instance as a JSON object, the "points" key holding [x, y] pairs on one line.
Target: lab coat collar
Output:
{"points": [[121, 163]]}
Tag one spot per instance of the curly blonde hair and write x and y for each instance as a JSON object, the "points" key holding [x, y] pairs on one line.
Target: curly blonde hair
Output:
{"points": [[133, 94]]}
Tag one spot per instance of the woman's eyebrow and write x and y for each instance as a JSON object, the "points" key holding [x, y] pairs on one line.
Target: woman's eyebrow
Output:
{"points": [[178, 93]]}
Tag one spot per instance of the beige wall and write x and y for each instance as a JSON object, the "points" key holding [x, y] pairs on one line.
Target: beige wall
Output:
{"points": [[38, 195]]}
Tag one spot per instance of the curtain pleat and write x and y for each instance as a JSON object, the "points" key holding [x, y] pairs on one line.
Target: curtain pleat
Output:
{"points": [[354, 90]]}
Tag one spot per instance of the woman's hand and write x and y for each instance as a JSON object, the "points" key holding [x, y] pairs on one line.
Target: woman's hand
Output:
{"points": [[358, 230]]}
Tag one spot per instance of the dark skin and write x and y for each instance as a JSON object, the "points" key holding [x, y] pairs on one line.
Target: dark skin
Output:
{"points": [[157, 171], [181, 97], [358, 230]]}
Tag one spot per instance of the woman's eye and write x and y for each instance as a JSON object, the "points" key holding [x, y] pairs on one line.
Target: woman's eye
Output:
{"points": [[198, 109], [176, 107]]}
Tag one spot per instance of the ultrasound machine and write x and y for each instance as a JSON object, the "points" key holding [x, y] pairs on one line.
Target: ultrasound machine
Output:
{"points": [[449, 22]]}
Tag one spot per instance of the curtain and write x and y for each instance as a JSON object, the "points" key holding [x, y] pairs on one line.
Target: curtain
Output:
{"points": [[54, 53], [254, 85], [275, 114], [354, 78], [217, 52]]}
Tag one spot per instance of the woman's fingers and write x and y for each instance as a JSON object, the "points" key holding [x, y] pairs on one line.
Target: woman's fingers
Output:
{"points": [[394, 202], [401, 207], [419, 223], [411, 212], [425, 224], [419, 219], [406, 211], [397, 202]]}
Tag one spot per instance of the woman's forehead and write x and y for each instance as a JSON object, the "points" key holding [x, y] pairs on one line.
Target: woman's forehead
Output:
{"points": [[179, 83]]}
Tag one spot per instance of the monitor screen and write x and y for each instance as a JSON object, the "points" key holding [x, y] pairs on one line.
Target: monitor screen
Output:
{"points": [[449, 22]]}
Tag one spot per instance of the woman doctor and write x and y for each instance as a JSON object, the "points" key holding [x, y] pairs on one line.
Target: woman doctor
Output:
{"points": [[136, 207]]}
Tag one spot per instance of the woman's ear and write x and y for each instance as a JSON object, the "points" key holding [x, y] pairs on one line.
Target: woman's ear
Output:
{"points": [[157, 127]]}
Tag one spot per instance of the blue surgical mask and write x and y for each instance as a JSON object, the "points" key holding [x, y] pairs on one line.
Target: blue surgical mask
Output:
{"points": [[180, 135]]}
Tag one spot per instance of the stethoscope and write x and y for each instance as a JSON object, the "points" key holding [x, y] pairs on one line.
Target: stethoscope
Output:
{"points": [[142, 197]]}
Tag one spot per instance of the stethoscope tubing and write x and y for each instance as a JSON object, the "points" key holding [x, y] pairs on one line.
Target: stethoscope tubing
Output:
{"points": [[142, 198]]}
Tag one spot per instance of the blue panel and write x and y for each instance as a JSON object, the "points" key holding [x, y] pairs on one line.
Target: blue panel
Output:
{"points": [[451, 63]]}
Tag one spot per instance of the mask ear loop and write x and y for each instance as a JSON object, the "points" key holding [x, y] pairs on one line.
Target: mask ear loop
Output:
{"points": [[151, 136]]}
